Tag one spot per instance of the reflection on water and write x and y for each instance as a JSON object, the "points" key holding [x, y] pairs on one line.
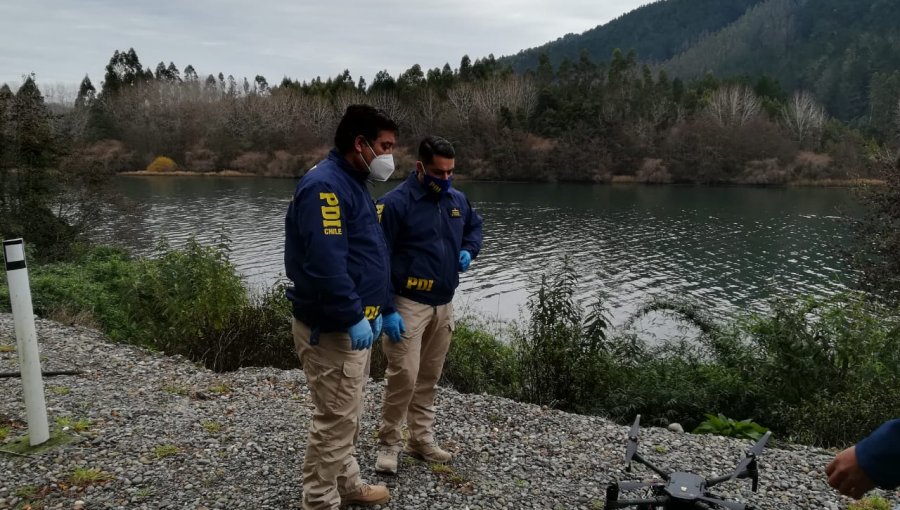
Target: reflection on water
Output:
{"points": [[728, 248]]}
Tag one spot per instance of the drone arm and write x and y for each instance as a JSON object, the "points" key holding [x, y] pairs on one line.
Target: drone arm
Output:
{"points": [[637, 458], [624, 503], [716, 481], [751, 472]]}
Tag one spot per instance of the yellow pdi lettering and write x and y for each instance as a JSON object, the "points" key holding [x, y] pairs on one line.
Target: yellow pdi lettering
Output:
{"points": [[331, 212], [421, 284]]}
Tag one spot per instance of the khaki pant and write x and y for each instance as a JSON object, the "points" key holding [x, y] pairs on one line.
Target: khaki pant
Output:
{"points": [[336, 376], [414, 367]]}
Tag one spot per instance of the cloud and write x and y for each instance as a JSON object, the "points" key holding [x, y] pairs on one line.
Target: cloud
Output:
{"points": [[61, 41]]}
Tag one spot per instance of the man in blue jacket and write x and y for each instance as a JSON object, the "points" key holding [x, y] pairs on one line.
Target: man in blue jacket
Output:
{"points": [[336, 256], [433, 233], [873, 462]]}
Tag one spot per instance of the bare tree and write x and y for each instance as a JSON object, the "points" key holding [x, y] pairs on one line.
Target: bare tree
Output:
{"points": [[897, 118], [462, 99], [317, 114], [347, 97], [430, 108], [489, 98], [804, 117], [733, 105], [62, 94], [390, 104]]}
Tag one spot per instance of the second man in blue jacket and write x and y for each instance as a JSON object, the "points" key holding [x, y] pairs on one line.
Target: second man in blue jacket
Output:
{"points": [[433, 234]]}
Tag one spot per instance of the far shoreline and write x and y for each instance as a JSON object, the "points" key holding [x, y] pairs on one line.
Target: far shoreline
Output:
{"points": [[616, 180]]}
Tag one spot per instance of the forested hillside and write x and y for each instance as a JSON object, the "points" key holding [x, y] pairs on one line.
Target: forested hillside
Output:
{"points": [[845, 52], [657, 31]]}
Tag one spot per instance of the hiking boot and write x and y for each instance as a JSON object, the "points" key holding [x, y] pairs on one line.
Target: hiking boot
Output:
{"points": [[387, 460], [429, 452], [367, 495]]}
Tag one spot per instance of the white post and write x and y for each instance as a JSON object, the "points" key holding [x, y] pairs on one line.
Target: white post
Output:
{"points": [[29, 357]]}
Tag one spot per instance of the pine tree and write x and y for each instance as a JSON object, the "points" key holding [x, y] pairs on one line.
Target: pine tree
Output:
{"points": [[86, 94], [6, 140]]}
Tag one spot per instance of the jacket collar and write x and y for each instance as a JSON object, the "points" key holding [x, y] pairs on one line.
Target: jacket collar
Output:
{"points": [[345, 165], [420, 193]]}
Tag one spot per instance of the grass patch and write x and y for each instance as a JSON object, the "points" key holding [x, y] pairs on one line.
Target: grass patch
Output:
{"points": [[220, 389], [166, 450], [143, 492], [79, 425], [870, 503], [211, 427], [441, 469], [448, 473], [88, 476], [175, 389], [59, 390], [26, 491], [4, 432], [58, 439], [4, 348]]}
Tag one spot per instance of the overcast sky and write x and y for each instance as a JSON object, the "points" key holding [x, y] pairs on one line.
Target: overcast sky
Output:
{"points": [[62, 40]]}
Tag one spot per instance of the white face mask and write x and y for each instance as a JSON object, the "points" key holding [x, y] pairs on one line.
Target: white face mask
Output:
{"points": [[381, 168]]}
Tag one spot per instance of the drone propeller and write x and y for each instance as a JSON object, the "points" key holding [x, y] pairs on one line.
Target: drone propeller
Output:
{"points": [[631, 449], [721, 503], [751, 456]]}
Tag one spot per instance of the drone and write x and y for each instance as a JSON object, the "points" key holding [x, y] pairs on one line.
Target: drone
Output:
{"points": [[681, 490]]}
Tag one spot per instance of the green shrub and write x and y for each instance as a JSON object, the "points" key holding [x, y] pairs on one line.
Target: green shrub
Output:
{"points": [[478, 362], [185, 301], [561, 349], [257, 333], [183, 296], [92, 286], [723, 426]]}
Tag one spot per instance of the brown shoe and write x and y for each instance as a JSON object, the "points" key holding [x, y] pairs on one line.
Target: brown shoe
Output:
{"points": [[429, 452], [386, 463], [367, 495]]}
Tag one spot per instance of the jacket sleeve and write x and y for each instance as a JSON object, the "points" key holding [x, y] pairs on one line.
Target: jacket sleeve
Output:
{"points": [[472, 232], [879, 455], [320, 216], [389, 217]]}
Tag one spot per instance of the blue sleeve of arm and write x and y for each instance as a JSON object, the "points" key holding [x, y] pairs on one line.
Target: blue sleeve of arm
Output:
{"points": [[389, 218], [319, 215], [472, 233], [879, 455]]}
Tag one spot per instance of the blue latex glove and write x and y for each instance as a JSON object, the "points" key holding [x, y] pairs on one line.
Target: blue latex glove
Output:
{"points": [[394, 327], [376, 328], [360, 335], [465, 258]]}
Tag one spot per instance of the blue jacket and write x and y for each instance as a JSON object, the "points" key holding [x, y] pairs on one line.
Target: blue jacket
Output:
{"points": [[425, 235], [879, 455], [334, 250]]}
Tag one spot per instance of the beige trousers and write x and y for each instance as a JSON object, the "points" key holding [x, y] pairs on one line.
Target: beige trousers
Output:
{"points": [[336, 376], [414, 367]]}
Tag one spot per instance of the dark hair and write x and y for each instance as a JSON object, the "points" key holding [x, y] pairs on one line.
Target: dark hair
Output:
{"points": [[435, 146], [361, 119]]}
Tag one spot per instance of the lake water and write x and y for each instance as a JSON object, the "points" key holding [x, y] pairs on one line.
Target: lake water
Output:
{"points": [[729, 248]]}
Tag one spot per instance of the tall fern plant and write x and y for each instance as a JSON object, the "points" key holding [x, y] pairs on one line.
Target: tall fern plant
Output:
{"points": [[560, 348]]}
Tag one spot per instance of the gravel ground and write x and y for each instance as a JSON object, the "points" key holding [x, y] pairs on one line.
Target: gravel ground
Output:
{"points": [[165, 433]]}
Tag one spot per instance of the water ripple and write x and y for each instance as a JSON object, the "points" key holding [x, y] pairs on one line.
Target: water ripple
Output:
{"points": [[729, 248]]}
